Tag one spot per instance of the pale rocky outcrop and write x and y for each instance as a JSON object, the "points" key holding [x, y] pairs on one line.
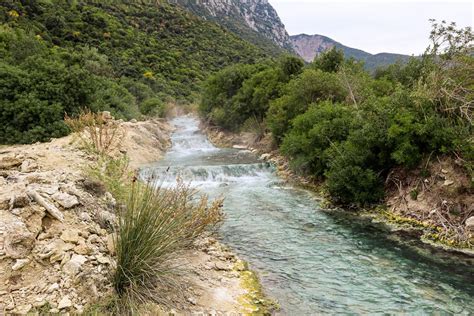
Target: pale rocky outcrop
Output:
{"points": [[53, 250]]}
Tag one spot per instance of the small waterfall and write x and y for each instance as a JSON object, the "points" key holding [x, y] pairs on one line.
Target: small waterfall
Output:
{"points": [[210, 175]]}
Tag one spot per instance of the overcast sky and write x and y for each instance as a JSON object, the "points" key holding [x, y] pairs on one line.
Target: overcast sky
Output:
{"points": [[373, 25]]}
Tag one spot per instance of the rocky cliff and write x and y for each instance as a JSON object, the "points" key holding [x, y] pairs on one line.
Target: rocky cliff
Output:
{"points": [[254, 20], [310, 46]]}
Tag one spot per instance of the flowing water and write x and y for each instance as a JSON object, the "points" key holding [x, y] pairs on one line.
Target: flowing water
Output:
{"points": [[310, 261]]}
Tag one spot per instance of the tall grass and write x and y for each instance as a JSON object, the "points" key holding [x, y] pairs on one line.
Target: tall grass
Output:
{"points": [[155, 225]]}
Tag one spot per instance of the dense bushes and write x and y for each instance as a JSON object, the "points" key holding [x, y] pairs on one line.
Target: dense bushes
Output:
{"points": [[338, 123], [242, 92], [59, 57]]}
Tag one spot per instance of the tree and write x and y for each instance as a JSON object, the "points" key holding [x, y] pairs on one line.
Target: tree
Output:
{"points": [[329, 61]]}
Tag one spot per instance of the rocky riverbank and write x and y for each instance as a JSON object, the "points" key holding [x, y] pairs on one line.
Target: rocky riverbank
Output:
{"points": [[56, 242]]}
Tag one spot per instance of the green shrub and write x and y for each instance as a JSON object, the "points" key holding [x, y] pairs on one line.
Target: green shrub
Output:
{"points": [[153, 107], [354, 184], [315, 131], [311, 86], [329, 61]]}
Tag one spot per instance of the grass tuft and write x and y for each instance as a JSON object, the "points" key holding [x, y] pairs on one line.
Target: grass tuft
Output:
{"points": [[155, 225]]}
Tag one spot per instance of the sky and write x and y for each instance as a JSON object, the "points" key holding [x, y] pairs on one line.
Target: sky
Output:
{"points": [[375, 26]]}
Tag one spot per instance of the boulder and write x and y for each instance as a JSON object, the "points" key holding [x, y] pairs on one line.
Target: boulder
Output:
{"points": [[23, 309], [82, 249]]}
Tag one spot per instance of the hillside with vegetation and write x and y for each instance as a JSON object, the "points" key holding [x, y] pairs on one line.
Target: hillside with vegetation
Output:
{"points": [[126, 57], [311, 46], [357, 132], [255, 21]]}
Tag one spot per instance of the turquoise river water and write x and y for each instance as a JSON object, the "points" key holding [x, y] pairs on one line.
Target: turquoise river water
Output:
{"points": [[309, 260]]}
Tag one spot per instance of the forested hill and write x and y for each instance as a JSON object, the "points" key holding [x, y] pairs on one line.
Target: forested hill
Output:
{"points": [[60, 56], [253, 20]]}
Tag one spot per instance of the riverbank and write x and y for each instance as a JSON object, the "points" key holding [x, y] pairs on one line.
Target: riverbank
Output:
{"points": [[419, 204], [56, 249]]}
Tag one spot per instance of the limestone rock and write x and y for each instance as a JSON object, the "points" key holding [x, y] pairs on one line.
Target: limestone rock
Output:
{"points": [[73, 266], [23, 309], [82, 249], [7, 163], [53, 287], [107, 116], [28, 166], [65, 200], [20, 263], [55, 250], [85, 217], [106, 220], [70, 235], [265, 157], [16, 241], [221, 266], [470, 224], [102, 259], [65, 302]]}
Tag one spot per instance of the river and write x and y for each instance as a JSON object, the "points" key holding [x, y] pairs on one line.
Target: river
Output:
{"points": [[312, 262]]}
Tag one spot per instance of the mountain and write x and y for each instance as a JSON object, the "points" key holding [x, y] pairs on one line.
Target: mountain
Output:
{"points": [[310, 46], [253, 20]]}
